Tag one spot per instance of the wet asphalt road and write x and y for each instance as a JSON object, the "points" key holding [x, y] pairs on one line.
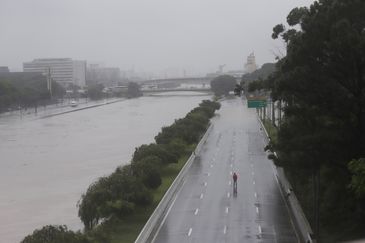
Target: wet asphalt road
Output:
{"points": [[207, 210]]}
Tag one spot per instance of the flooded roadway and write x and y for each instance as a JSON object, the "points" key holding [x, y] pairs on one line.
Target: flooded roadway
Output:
{"points": [[47, 163]]}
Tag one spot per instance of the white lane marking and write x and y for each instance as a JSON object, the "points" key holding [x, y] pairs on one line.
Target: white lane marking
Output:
{"points": [[257, 210], [227, 209], [167, 213], [252, 173], [190, 230], [230, 183], [225, 229], [205, 183], [211, 165], [231, 165], [228, 194], [208, 174], [260, 230], [274, 231], [255, 195], [231, 173], [201, 196], [254, 182], [196, 211]]}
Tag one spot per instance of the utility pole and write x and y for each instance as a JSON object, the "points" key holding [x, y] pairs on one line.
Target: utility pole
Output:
{"points": [[49, 81]]}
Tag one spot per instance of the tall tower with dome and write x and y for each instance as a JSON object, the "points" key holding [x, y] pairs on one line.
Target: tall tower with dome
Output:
{"points": [[250, 65]]}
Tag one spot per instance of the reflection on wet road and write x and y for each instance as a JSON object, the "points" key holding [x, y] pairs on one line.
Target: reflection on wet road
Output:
{"points": [[207, 210]]}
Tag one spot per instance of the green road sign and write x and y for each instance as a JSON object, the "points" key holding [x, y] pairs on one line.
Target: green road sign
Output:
{"points": [[256, 103]]}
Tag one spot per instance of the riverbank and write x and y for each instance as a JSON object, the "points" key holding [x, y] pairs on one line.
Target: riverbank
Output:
{"points": [[48, 163]]}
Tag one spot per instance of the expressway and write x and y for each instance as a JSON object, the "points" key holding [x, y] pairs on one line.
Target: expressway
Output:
{"points": [[206, 209]]}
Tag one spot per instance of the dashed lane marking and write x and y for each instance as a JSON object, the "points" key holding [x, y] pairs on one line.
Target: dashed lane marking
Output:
{"points": [[196, 211], [190, 230]]}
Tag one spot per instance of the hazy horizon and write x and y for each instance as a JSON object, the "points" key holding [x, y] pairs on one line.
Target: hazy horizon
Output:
{"points": [[147, 36]]}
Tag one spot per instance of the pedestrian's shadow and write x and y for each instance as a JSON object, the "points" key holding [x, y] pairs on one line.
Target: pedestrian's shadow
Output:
{"points": [[234, 193]]}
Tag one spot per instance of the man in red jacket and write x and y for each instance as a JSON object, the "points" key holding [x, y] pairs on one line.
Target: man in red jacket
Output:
{"points": [[235, 182]]}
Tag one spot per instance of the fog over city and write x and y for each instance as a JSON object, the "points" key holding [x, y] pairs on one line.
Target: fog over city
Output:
{"points": [[148, 36]]}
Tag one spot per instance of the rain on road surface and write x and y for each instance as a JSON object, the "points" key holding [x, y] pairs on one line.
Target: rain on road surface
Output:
{"points": [[205, 208]]}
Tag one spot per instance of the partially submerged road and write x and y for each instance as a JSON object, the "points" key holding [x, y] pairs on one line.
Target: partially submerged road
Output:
{"points": [[206, 210]]}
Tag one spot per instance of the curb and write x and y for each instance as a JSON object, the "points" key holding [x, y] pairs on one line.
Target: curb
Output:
{"points": [[158, 216]]}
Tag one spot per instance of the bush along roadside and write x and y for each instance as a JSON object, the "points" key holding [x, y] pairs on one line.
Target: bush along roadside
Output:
{"points": [[131, 188]]}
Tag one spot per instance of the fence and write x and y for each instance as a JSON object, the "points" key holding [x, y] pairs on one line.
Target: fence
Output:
{"points": [[301, 223]]}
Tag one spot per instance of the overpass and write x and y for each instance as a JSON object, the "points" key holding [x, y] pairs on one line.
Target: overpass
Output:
{"points": [[194, 80], [184, 80], [160, 90]]}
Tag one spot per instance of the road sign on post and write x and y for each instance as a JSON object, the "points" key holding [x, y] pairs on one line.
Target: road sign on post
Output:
{"points": [[256, 102]]}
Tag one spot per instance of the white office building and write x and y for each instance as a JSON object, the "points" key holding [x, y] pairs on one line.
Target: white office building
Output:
{"points": [[251, 65], [64, 71]]}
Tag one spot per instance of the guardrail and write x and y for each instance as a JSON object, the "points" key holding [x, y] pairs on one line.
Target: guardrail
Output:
{"points": [[152, 225], [300, 221]]}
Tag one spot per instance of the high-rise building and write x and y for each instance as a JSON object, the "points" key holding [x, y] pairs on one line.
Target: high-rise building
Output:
{"points": [[108, 76], [64, 71], [251, 65], [4, 69]]}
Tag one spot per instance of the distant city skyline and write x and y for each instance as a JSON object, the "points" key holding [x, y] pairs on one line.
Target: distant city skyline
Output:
{"points": [[156, 37]]}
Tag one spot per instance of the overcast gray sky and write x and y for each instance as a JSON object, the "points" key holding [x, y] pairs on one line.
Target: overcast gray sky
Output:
{"points": [[151, 35]]}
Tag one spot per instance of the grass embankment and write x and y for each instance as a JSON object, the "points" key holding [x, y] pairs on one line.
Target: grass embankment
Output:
{"points": [[271, 130], [127, 230]]}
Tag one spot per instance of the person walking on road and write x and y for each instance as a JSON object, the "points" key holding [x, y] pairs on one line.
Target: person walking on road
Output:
{"points": [[235, 177]]}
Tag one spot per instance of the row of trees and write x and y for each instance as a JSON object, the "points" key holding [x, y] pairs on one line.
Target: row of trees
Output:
{"points": [[321, 81], [19, 92], [131, 186], [98, 91], [118, 194]]}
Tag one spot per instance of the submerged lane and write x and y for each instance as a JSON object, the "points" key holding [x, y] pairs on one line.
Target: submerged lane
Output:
{"points": [[206, 210]]}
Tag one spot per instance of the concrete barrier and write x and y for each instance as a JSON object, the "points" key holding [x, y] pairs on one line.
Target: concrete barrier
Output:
{"points": [[157, 217], [301, 223]]}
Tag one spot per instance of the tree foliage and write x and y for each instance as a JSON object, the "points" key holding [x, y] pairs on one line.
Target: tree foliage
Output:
{"points": [[223, 84], [119, 194], [114, 195], [18, 89], [55, 234], [134, 90], [322, 84], [95, 91]]}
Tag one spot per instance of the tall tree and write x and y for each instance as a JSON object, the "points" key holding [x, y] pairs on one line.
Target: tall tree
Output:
{"points": [[134, 90], [223, 84], [322, 82]]}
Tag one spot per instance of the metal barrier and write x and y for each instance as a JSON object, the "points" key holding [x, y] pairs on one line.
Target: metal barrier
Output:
{"points": [[301, 223], [156, 219]]}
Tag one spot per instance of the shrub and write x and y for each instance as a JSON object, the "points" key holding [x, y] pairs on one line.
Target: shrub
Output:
{"points": [[157, 150], [55, 234]]}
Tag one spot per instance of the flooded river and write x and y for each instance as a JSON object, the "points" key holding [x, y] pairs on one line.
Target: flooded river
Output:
{"points": [[47, 163]]}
